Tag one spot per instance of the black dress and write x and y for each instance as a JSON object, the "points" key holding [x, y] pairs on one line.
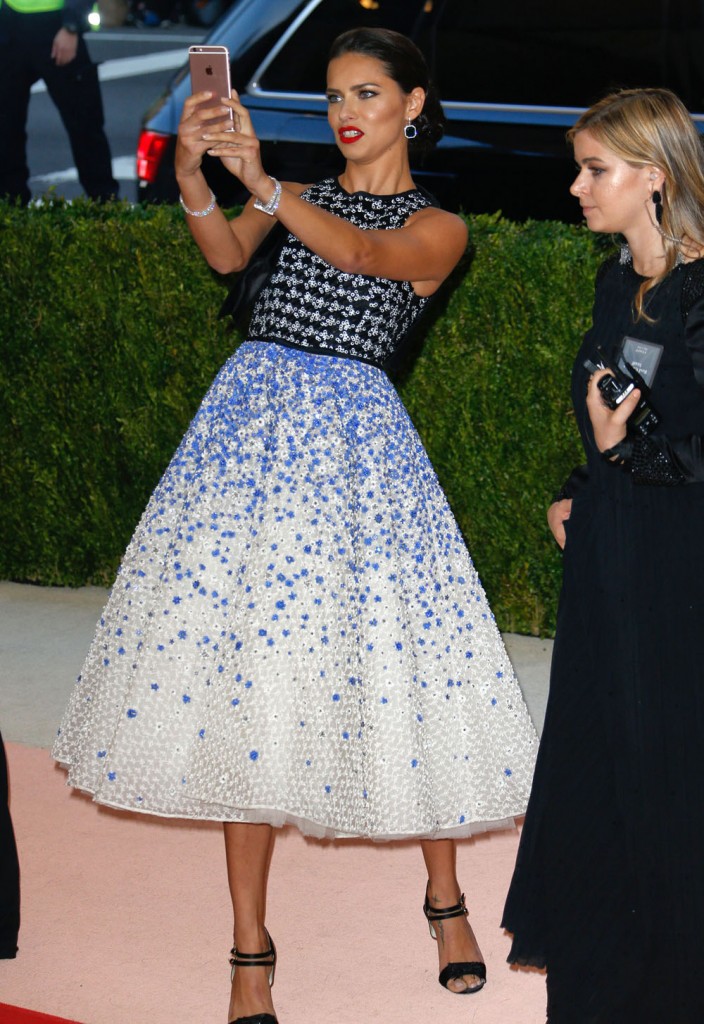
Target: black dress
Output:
{"points": [[608, 890]]}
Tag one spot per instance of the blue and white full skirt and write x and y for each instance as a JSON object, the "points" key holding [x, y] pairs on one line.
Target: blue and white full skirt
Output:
{"points": [[297, 633]]}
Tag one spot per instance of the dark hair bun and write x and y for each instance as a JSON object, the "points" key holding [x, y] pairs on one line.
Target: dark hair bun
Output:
{"points": [[430, 123]]}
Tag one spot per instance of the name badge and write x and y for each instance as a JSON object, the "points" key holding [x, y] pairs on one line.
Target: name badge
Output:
{"points": [[643, 356]]}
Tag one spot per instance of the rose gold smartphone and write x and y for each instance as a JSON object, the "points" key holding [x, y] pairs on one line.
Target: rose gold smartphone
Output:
{"points": [[210, 70]]}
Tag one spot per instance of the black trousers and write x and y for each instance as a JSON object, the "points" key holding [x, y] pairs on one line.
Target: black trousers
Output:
{"points": [[9, 871], [25, 57]]}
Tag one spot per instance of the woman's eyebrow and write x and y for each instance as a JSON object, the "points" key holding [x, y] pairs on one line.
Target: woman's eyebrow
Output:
{"points": [[363, 85]]}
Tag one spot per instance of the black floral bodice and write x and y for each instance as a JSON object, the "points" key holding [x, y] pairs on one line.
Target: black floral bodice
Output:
{"points": [[309, 304]]}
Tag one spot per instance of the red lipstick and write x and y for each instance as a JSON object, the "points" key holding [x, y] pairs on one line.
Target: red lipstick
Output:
{"points": [[348, 133]]}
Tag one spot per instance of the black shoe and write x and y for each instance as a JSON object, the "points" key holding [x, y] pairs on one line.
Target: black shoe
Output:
{"points": [[265, 959], [258, 1018], [455, 970]]}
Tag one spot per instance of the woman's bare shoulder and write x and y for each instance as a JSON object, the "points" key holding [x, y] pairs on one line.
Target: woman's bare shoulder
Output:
{"points": [[439, 219], [296, 188]]}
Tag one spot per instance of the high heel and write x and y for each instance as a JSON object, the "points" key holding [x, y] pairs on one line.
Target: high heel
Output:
{"points": [[454, 970], [265, 959], [258, 1018]]}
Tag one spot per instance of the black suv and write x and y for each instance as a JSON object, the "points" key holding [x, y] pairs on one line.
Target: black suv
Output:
{"points": [[513, 76]]}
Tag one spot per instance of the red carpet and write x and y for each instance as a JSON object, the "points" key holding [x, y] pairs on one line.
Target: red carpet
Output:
{"points": [[16, 1015]]}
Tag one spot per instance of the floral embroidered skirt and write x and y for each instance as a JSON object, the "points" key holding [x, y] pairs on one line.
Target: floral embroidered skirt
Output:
{"points": [[297, 633]]}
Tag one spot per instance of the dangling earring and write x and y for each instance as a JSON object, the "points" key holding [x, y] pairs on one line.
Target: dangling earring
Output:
{"points": [[657, 201], [410, 131], [656, 198]]}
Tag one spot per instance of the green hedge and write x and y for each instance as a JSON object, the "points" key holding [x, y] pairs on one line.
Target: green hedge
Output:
{"points": [[110, 336]]}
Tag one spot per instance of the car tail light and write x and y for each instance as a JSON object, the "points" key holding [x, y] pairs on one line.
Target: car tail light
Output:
{"points": [[150, 150]]}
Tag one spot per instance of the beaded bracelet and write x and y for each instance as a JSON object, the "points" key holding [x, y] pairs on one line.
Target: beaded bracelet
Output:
{"points": [[272, 205], [200, 213]]}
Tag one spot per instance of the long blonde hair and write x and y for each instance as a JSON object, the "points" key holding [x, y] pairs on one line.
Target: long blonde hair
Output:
{"points": [[653, 126]]}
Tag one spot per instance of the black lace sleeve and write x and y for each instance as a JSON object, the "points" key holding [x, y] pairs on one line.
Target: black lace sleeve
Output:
{"points": [[693, 317], [654, 462], [664, 460]]}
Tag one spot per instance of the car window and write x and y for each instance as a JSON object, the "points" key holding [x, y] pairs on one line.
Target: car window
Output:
{"points": [[537, 53], [300, 65], [543, 53]]}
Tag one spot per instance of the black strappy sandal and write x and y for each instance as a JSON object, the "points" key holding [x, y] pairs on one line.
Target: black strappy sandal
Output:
{"points": [[258, 1018], [265, 959], [454, 970]]}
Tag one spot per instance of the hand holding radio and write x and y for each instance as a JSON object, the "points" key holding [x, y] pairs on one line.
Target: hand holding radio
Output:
{"points": [[610, 404]]}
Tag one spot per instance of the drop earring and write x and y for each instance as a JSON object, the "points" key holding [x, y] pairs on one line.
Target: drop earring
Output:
{"points": [[657, 202], [410, 131], [656, 198]]}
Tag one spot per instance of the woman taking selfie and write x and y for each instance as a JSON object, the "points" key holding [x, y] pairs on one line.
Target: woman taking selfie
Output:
{"points": [[305, 638], [608, 890]]}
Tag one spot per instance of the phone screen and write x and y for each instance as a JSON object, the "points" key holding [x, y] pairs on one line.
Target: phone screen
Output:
{"points": [[210, 70]]}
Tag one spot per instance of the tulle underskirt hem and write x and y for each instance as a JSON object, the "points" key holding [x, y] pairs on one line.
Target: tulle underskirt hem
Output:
{"points": [[279, 818]]}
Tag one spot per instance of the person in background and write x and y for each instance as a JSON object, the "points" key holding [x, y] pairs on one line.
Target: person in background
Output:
{"points": [[9, 870], [43, 39], [608, 889]]}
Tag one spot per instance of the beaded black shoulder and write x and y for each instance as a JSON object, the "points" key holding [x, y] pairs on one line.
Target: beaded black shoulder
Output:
{"points": [[692, 286], [307, 303]]}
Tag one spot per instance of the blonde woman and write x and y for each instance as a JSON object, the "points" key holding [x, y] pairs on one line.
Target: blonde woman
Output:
{"points": [[608, 890]]}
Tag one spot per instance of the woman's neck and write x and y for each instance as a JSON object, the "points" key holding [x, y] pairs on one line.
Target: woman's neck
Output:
{"points": [[647, 252], [382, 178]]}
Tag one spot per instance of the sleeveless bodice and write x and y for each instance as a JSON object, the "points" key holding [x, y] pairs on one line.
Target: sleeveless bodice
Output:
{"points": [[309, 304]]}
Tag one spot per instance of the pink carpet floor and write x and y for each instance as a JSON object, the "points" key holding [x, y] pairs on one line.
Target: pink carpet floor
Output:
{"points": [[125, 920]]}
